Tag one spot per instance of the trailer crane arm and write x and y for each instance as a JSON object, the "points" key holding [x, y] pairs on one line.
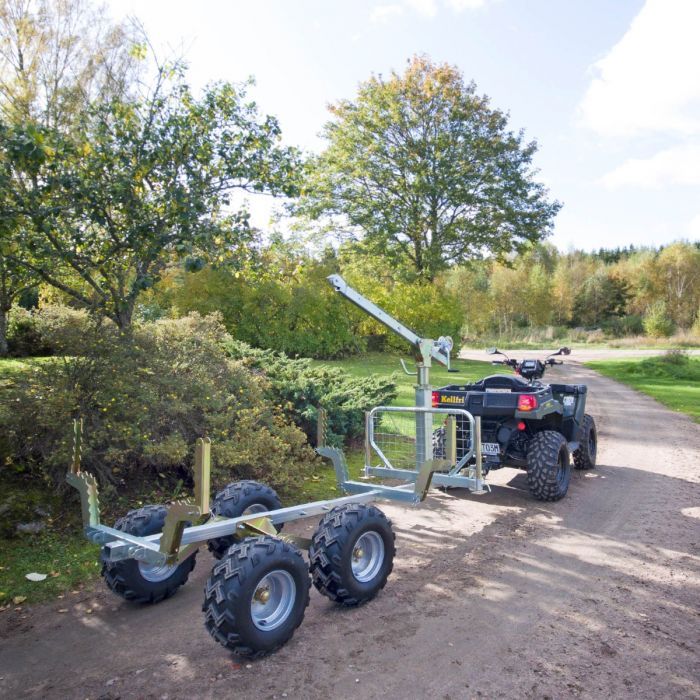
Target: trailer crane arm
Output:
{"points": [[427, 349]]}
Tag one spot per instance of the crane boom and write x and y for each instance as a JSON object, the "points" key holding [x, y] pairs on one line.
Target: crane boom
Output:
{"points": [[438, 351]]}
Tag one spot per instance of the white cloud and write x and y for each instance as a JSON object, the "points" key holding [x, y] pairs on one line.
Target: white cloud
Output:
{"points": [[427, 8], [679, 165], [461, 5], [384, 13], [650, 80]]}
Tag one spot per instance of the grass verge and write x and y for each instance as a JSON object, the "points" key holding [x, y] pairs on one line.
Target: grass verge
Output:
{"points": [[672, 379], [388, 365], [67, 559]]}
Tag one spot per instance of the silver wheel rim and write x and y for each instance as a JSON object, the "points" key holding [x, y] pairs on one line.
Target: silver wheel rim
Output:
{"points": [[367, 556], [156, 573], [255, 508], [273, 600]]}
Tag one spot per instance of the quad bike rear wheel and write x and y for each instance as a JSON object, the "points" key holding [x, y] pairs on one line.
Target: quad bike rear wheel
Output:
{"points": [[138, 581], [548, 466], [585, 455]]}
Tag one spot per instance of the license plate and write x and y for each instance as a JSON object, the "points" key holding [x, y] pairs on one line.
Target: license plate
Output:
{"points": [[490, 448]]}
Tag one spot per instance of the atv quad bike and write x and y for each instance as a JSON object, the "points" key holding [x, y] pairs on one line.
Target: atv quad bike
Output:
{"points": [[526, 424]]}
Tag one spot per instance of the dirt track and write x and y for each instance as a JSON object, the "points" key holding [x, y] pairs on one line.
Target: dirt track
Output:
{"points": [[491, 596]]}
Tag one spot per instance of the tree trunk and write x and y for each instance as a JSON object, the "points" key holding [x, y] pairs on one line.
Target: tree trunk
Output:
{"points": [[123, 315], [4, 350]]}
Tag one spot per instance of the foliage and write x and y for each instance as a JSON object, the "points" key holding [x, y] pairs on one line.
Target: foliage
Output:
{"points": [[300, 387], [23, 334], [105, 209], [542, 289], [678, 270], [601, 297], [427, 309], [424, 168], [90, 58], [283, 303], [301, 314], [43, 331], [656, 322], [58, 56], [145, 398]]}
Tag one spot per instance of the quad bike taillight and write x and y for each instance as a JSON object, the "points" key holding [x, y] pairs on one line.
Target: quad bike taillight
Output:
{"points": [[527, 402]]}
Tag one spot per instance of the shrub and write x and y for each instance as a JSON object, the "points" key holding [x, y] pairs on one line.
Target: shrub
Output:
{"points": [[624, 326], [51, 330], [426, 308], [657, 324], [300, 387], [675, 357], [23, 334], [295, 311], [145, 398], [674, 364]]}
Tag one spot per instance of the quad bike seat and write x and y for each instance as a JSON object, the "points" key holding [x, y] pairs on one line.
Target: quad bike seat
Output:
{"points": [[502, 381]]}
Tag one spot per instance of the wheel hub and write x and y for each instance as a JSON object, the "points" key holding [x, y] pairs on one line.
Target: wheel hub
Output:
{"points": [[262, 595], [273, 600], [367, 556]]}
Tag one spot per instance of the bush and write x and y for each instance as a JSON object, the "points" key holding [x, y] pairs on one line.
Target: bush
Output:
{"points": [[23, 334], [300, 387], [624, 326], [674, 364], [145, 398], [657, 324], [426, 308], [51, 330], [295, 311]]}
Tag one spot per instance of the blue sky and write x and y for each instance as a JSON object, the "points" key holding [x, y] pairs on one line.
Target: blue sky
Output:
{"points": [[610, 89]]}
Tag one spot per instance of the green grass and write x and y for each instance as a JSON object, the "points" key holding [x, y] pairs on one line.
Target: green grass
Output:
{"points": [[10, 367], [389, 364], [68, 560], [672, 379]]}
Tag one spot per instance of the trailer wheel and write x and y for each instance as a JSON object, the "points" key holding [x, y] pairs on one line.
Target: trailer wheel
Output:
{"points": [[352, 553], [548, 466], [138, 581], [584, 457], [256, 596], [241, 498]]}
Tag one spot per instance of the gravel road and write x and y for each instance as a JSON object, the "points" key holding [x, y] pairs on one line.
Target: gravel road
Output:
{"points": [[578, 354], [491, 596]]}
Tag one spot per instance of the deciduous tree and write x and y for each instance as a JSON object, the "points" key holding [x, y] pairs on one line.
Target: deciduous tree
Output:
{"points": [[422, 166], [140, 183]]}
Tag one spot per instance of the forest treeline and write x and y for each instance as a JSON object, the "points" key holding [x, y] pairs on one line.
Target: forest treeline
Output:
{"points": [[283, 301]]}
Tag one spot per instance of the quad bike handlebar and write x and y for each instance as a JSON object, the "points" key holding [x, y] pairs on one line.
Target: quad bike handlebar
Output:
{"points": [[529, 369]]}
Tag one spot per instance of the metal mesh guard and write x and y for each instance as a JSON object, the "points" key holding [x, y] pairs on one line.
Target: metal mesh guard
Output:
{"points": [[395, 436]]}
